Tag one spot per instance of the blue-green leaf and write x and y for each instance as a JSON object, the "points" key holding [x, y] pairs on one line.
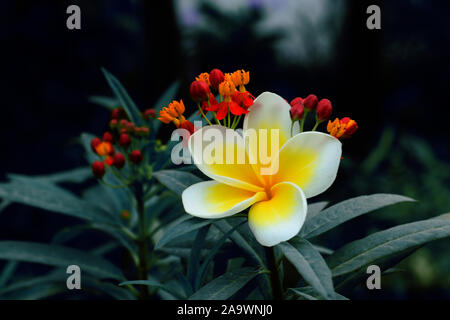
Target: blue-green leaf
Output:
{"points": [[58, 256], [361, 253], [122, 95], [177, 181], [226, 285], [346, 210], [310, 264]]}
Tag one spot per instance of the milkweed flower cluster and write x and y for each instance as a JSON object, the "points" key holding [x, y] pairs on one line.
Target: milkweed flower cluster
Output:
{"points": [[120, 145], [276, 199]]}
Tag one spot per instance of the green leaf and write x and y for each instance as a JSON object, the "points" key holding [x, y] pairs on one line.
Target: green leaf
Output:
{"points": [[226, 285], [363, 252], [122, 95], [212, 253], [310, 294], [77, 175], [181, 227], [177, 181], [7, 272], [240, 241], [310, 264], [151, 283], [107, 102], [195, 256], [347, 210], [58, 256], [52, 198], [164, 100], [315, 208]]}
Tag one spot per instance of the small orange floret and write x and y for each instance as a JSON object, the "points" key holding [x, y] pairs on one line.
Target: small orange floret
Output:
{"points": [[172, 112], [240, 78], [227, 87], [203, 77], [104, 149], [343, 128]]}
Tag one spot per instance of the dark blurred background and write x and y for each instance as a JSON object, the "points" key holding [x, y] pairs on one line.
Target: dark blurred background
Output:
{"points": [[393, 82]]}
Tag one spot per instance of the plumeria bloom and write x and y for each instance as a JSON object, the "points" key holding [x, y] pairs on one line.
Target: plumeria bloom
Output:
{"points": [[308, 164]]}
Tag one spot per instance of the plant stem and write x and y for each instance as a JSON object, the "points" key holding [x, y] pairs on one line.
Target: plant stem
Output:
{"points": [[277, 291], [142, 242], [316, 125]]}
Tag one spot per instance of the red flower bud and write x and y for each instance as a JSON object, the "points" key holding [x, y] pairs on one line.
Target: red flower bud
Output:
{"points": [[123, 123], [108, 137], [189, 126], [199, 91], [94, 144], [149, 114], [119, 160], [109, 160], [117, 113], [136, 156], [324, 110], [125, 214], [310, 102], [296, 101], [98, 169], [124, 140], [297, 111], [145, 131], [113, 123], [216, 77]]}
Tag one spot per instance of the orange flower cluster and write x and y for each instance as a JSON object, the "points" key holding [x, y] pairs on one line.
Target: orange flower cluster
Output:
{"points": [[233, 99]]}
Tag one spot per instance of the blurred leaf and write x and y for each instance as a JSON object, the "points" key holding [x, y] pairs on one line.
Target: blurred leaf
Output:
{"points": [[347, 210], [58, 256], [226, 285], [77, 175], [164, 100], [125, 101], [310, 294], [380, 152], [180, 227], [151, 283], [310, 264], [52, 198], [107, 102], [363, 252], [177, 181], [7, 272]]}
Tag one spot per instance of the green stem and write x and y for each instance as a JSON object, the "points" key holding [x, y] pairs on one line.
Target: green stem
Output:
{"points": [[277, 291], [316, 125], [203, 115], [142, 242]]}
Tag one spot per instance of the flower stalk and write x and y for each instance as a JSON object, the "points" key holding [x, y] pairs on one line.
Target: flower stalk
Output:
{"points": [[275, 283]]}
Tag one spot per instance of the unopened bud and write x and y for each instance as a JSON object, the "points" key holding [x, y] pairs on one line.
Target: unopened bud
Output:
{"points": [[199, 91], [136, 156], [119, 160], [95, 143], [216, 77], [324, 110], [149, 114], [297, 111], [124, 140], [310, 102], [98, 169], [108, 137]]}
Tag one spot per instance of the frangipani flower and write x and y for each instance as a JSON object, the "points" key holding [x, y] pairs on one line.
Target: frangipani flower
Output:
{"points": [[308, 164]]}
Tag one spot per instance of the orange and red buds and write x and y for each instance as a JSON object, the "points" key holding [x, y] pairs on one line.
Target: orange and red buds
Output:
{"points": [[124, 140], [108, 137], [199, 91], [310, 102], [149, 114], [216, 77], [98, 169], [324, 110], [343, 128], [95, 143], [136, 156], [119, 161], [113, 123]]}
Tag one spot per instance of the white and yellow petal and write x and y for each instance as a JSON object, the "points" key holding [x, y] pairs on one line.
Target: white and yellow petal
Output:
{"points": [[212, 199], [220, 153], [311, 161], [281, 217]]}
